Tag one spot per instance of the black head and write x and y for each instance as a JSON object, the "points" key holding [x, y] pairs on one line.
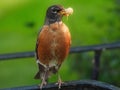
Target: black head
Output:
{"points": [[53, 14]]}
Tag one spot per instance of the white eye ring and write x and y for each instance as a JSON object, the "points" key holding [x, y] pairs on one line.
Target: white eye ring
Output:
{"points": [[53, 10]]}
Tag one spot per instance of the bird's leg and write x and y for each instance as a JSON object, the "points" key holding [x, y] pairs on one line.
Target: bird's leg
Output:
{"points": [[59, 83], [43, 80]]}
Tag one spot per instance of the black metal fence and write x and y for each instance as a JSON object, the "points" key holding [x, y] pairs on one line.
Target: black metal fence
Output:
{"points": [[73, 85], [97, 49]]}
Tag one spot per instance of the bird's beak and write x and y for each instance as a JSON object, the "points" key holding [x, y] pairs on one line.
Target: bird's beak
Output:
{"points": [[66, 12]]}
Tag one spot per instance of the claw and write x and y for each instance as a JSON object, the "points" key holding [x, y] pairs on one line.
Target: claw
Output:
{"points": [[43, 83], [59, 83]]}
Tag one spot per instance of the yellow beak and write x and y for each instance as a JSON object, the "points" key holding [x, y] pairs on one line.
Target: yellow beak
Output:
{"points": [[66, 12]]}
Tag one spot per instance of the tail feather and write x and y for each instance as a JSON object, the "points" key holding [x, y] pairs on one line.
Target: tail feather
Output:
{"points": [[41, 72], [37, 76]]}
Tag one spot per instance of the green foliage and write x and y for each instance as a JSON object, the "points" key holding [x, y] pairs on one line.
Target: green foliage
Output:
{"points": [[93, 22]]}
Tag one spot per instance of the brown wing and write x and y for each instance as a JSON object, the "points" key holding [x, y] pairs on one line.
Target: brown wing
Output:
{"points": [[37, 42], [41, 67]]}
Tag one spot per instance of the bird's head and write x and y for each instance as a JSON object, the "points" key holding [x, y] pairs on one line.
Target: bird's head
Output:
{"points": [[56, 12]]}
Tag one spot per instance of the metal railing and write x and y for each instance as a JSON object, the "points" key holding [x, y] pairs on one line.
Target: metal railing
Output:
{"points": [[73, 85], [97, 49]]}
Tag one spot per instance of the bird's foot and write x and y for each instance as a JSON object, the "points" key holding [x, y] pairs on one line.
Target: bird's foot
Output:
{"points": [[59, 83], [43, 83]]}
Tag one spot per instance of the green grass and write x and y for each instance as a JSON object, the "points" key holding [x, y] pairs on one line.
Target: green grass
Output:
{"points": [[93, 22], [17, 72]]}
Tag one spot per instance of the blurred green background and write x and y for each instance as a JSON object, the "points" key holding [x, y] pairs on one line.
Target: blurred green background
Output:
{"points": [[93, 22]]}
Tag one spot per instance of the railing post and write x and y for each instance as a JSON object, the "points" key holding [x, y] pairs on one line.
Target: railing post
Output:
{"points": [[96, 64]]}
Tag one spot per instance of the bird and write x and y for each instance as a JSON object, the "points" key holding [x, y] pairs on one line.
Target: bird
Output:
{"points": [[53, 44]]}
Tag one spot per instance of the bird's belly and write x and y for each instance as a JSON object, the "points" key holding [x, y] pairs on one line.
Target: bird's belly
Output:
{"points": [[54, 44], [54, 48]]}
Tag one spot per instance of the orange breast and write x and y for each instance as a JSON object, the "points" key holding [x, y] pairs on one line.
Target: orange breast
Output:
{"points": [[53, 43]]}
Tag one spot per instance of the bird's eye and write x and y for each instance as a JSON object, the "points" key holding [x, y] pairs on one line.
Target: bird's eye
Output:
{"points": [[54, 11]]}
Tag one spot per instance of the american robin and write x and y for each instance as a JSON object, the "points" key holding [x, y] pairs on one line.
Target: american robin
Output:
{"points": [[53, 43]]}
